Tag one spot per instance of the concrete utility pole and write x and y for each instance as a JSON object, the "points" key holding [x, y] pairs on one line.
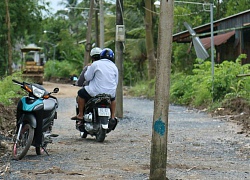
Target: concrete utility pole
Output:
{"points": [[88, 45], [158, 158], [119, 60]]}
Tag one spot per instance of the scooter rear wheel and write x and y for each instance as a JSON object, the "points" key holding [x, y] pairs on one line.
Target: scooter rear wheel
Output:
{"points": [[101, 134], [21, 146]]}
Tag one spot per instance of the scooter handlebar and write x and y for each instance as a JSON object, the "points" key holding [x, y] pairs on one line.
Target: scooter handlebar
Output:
{"points": [[17, 82]]}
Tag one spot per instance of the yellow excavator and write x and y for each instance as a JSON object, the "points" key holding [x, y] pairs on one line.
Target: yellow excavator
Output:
{"points": [[32, 63]]}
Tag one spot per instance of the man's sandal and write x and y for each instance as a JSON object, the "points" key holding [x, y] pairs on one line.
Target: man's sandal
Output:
{"points": [[76, 118]]}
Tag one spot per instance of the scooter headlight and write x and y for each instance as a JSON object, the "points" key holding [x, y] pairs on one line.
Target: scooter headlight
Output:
{"points": [[38, 92]]}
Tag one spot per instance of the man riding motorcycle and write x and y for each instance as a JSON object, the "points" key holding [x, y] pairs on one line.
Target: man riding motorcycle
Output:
{"points": [[94, 55], [102, 76]]}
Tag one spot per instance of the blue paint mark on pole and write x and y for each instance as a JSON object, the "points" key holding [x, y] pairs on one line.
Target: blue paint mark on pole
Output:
{"points": [[159, 127]]}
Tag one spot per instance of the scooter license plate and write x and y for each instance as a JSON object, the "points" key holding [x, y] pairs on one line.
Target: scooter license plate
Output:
{"points": [[103, 111]]}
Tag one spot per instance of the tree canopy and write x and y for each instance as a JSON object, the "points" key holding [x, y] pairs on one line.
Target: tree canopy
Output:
{"points": [[28, 23]]}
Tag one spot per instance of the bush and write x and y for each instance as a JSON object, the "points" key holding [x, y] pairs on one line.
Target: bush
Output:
{"points": [[143, 89], [8, 90], [60, 69], [200, 89]]}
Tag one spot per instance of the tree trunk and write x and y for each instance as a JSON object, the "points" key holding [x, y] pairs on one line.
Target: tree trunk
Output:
{"points": [[9, 72], [158, 158], [96, 29], [88, 45], [149, 40]]}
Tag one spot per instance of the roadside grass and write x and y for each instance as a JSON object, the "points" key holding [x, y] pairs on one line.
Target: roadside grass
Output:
{"points": [[8, 90]]}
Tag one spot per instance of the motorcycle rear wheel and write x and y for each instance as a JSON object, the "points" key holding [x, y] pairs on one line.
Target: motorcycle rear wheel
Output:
{"points": [[21, 147], [101, 134]]}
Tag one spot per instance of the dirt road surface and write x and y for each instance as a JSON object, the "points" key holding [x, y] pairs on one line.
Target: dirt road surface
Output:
{"points": [[199, 147]]}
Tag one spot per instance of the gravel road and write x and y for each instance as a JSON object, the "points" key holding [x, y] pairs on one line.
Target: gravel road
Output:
{"points": [[199, 147]]}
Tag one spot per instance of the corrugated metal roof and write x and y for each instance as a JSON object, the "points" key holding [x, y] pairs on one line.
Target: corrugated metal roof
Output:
{"points": [[218, 39], [199, 29], [31, 47]]}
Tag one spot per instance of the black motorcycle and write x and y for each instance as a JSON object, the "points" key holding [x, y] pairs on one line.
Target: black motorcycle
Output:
{"points": [[35, 118], [96, 120]]}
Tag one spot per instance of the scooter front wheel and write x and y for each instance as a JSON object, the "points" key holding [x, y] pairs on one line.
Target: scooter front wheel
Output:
{"points": [[23, 143]]}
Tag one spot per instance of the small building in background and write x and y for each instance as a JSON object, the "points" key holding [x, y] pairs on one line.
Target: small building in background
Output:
{"points": [[231, 37]]}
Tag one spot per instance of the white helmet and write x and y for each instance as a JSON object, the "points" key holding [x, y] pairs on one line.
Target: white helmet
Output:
{"points": [[95, 51]]}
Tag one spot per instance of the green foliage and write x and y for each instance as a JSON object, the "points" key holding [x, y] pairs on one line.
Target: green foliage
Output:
{"points": [[136, 32], [69, 27], [234, 7], [199, 89], [8, 90], [225, 77], [25, 19], [178, 94], [186, 13], [69, 50], [60, 69], [3, 67], [143, 89], [129, 76], [237, 90], [182, 60]]}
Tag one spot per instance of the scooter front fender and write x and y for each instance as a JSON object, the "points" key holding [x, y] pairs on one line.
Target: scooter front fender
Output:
{"points": [[30, 118]]}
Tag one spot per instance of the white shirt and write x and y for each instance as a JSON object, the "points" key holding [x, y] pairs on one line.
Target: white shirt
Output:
{"points": [[103, 78]]}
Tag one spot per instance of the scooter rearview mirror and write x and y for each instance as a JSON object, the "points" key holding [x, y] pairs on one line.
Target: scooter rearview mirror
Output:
{"points": [[56, 90]]}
